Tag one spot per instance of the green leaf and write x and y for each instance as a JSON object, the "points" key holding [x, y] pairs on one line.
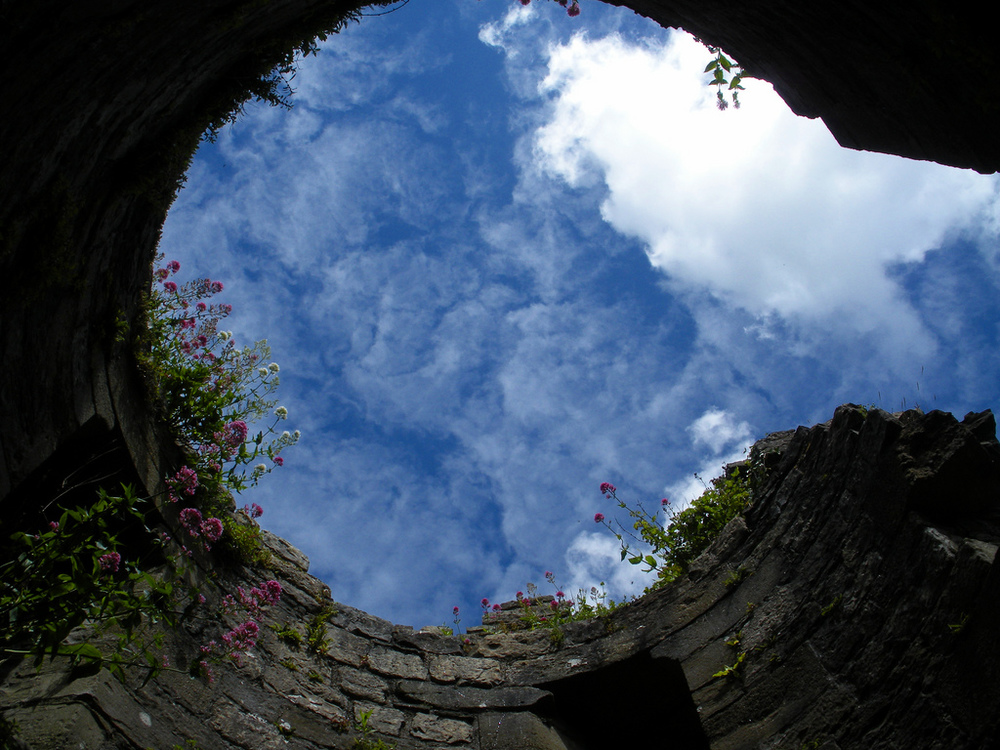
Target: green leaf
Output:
{"points": [[725, 63], [711, 65]]}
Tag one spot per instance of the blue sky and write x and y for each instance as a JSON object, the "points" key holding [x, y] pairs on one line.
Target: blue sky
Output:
{"points": [[503, 255]]}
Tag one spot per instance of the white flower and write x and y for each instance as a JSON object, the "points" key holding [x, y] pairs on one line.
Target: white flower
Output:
{"points": [[286, 435], [260, 468], [296, 434], [273, 367], [225, 335], [262, 371], [281, 412]]}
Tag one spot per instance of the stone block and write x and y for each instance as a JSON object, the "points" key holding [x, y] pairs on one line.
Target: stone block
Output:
{"points": [[383, 719], [395, 664], [465, 669], [457, 698], [435, 729], [363, 684]]}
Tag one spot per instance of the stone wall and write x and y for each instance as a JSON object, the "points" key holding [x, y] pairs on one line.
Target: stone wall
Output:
{"points": [[855, 606]]}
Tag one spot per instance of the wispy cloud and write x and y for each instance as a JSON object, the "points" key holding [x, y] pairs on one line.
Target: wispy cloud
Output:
{"points": [[493, 286]]}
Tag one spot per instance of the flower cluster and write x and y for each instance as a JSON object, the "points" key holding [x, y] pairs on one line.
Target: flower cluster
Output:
{"points": [[241, 639], [109, 563], [210, 389], [572, 8]]}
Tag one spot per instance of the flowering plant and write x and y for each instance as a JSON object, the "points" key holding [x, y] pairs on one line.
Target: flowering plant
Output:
{"points": [[671, 547], [209, 389]]}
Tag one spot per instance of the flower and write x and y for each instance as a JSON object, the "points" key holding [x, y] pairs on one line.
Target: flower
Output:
{"points": [[278, 461], [281, 412], [664, 502], [173, 266], [260, 468], [262, 371], [574, 9], [170, 286], [225, 335], [253, 510], [485, 602], [271, 592], [216, 287], [201, 306], [296, 434], [496, 608], [607, 489], [110, 562], [191, 520], [54, 525], [455, 611], [212, 529], [560, 595], [273, 367], [598, 518]]}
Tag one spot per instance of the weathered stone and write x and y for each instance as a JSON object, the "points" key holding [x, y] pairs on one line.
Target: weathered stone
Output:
{"points": [[430, 640], [523, 731], [479, 671], [363, 684], [436, 729], [517, 645], [382, 719], [345, 647], [396, 664], [468, 698]]}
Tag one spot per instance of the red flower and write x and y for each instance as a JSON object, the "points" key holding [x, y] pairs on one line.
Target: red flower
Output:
{"points": [[598, 518]]}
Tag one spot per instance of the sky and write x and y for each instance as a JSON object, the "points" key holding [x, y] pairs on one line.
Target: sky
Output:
{"points": [[502, 255]]}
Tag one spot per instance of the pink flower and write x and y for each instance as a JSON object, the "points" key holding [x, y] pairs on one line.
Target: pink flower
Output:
{"points": [[191, 520], [110, 562], [560, 595], [173, 266], [279, 461], [574, 9], [212, 529], [272, 592], [201, 306], [170, 286], [607, 489], [54, 525], [519, 595], [598, 518], [485, 602], [253, 510], [455, 611], [216, 287], [664, 502], [162, 274], [239, 428]]}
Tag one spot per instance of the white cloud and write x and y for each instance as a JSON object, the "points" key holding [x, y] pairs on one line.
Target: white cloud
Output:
{"points": [[758, 206], [717, 429]]}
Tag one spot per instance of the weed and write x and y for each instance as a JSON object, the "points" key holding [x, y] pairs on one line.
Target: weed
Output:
{"points": [[960, 625], [288, 635], [737, 577], [316, 635], [831, 606], [366, 741]]}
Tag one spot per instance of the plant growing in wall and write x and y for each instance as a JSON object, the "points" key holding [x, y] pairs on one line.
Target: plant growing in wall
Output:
{"points": [[669, 548]]}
